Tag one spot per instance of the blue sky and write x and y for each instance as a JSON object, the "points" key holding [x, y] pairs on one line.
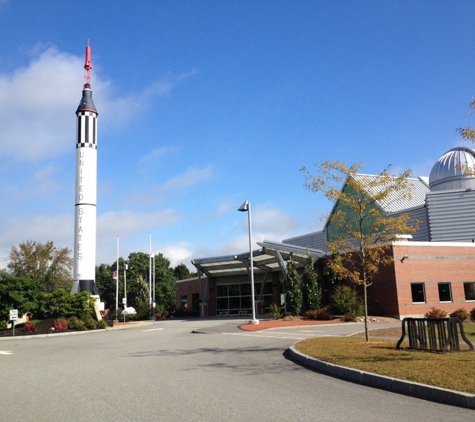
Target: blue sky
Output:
{"points": [[205, 104]]}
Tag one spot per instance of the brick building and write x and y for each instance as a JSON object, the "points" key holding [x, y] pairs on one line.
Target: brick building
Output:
{"points": [[435, 267]]}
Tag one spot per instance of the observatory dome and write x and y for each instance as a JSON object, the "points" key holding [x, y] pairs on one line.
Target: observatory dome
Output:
{"points": [[455, 170]]}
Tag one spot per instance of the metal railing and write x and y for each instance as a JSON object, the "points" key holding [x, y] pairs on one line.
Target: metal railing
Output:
{"points": [[434, 334]]}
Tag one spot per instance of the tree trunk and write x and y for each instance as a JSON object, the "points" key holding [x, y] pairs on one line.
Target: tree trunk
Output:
{"points": [[365, 312]]}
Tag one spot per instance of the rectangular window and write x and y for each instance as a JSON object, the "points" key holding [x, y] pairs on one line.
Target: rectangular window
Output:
{"points": [[445, 292], [222, 290], [469, 289], [246, 289], [418, 293], [234, 290], [222, 304]]}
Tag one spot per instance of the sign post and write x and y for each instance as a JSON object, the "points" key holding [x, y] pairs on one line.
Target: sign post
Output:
{"points": [[13, 318]]}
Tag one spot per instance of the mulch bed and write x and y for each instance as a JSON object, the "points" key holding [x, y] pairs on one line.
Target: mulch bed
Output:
{"points": [[42, 327]]}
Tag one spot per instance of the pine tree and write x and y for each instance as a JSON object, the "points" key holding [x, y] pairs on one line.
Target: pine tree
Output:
{"points": [[310, 289], [293, 291]]}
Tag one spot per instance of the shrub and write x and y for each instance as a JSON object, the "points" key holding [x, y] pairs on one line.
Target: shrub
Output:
{"points": [[461, 313], [436, 313], [324, 313], [89, 322], [312, 314], [346, 300], [75, 323], [350, 317], [101, 325], [60, 324], [62, 304], [3, 325], [321, 314], [30, 327], [472, 314], [275, 311], [143, 311]]}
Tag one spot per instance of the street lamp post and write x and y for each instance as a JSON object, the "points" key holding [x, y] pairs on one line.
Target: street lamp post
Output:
{"points": [[246, 207]]}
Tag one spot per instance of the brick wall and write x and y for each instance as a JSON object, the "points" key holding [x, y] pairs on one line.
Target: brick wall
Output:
{"points": [[428, 263]]}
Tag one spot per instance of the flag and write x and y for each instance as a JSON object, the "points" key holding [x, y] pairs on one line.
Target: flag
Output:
{"points": [[114, 275]]}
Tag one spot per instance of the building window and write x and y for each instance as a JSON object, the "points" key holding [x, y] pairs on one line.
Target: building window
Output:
{"points": [[469, 289], [235, 299], [418, 293], [445, 292], [184, 302]]}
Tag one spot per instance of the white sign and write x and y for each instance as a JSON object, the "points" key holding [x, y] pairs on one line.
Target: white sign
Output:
{"points": [[13, 314]]}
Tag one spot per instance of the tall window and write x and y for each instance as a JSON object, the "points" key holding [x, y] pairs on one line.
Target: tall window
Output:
{"points": [[445, 292], [469, 289], [418, 293], [235, 299]]}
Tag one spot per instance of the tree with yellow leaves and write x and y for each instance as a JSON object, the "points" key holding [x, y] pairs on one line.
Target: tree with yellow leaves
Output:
{"points": [[359, 231]]}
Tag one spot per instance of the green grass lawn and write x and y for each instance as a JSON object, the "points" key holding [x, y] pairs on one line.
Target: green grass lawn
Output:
{"points": [[454, 371]]}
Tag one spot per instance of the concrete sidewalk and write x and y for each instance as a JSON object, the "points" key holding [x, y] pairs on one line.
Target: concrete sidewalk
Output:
{"points": [[265, 324]]}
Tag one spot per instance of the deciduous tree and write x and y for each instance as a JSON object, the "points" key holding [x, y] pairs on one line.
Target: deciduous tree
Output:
{"points": [[468, 133], [181, 272], [165, 284], [359, 232], [43, 262], [20, 293]]}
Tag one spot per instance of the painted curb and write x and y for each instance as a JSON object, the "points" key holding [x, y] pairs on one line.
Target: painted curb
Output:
{"points": [[138, 324], [413, 389]]}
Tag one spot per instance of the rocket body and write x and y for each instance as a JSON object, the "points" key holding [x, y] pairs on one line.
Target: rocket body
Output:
{"points": [[85, 196]]}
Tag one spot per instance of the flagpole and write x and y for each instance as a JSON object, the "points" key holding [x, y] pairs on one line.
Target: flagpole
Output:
{"points": [[150, 273], [117, 281]]}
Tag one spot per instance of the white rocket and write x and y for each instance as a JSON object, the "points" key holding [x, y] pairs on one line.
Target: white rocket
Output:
{"points": [[86, 189]]}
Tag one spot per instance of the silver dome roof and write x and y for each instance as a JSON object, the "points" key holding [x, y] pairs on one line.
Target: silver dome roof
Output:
{"points": [[454, 170]]}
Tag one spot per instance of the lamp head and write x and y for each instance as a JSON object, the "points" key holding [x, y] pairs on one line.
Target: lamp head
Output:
{"points": [[244, 207]]}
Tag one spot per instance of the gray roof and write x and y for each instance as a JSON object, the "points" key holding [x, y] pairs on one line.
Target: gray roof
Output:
{"points": [[266, 259], [397, 201], [314, 240]]}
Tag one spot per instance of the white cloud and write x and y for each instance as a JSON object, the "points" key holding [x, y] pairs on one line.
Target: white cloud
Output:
{"points": [[178, 253], [133, 229], [39, 101], [37, 122], [127, 222], [268, 223], [157, 154], [176, 185], [191, 177]]}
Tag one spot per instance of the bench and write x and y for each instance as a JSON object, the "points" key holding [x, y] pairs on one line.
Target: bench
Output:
{"points": [[434, 334]]}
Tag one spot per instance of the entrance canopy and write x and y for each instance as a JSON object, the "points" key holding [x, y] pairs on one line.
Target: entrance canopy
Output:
{"points": [[271, 257]]}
